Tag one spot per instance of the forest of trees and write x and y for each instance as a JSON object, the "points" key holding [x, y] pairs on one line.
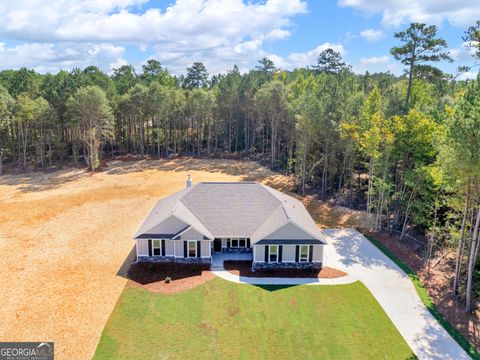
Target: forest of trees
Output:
{"points": [[403, 148]]}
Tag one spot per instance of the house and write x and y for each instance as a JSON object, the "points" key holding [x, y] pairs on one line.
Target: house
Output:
{"points": [[217, 217]]}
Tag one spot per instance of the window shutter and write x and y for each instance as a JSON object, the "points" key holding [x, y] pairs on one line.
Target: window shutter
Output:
{"points": [[310, 253], [163, 247], [248, 242], [228, 243], [297, 253], [280, 250], [266, 253], [199, 249], [185, 249], [149, 247]]}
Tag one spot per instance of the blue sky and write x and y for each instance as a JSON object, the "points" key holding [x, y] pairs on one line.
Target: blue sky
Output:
{"points": [[48, 35]]}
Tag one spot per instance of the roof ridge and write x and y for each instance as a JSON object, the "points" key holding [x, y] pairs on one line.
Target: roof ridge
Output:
{"points": [[273, 212], [193, 186]]}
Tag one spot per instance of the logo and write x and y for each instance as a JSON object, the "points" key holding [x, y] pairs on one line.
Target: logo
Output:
{"points": [[26, 351]]}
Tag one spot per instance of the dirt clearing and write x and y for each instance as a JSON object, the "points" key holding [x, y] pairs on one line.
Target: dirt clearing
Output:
{"points": [[66, 238]]}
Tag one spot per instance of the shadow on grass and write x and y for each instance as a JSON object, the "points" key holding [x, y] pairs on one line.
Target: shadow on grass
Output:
{"points": [[274, 287]]}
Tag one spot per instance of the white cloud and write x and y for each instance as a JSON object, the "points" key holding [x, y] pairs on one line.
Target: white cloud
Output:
{"points": [[118, 63], [49, 57], [397, 12], [468, 75], [233, 31], [375, 64], [309, 58], [464, 53], [372, 35]]}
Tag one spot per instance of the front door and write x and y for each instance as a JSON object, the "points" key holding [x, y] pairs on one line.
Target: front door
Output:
{"points": [[217, 245]]}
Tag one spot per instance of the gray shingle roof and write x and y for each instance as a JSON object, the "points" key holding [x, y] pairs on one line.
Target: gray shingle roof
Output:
{"points": [[231, 209], [289, 242]]}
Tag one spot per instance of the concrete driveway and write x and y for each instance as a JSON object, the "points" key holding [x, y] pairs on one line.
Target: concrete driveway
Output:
{"points": [[351, 252]]}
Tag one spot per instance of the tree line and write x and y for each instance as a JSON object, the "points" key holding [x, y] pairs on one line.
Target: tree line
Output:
{"points": [[403, 148]]}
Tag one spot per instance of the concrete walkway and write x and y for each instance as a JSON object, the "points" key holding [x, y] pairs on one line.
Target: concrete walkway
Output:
{"points": [[351, 252], [222, 273]]}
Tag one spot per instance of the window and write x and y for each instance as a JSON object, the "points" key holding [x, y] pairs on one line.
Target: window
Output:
{"points": [[273, 253], [304, 253], [238, 242], [156, 245], [192, 249]]}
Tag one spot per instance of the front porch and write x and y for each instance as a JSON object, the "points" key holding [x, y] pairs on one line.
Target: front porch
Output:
{"points": [[219, 258]]}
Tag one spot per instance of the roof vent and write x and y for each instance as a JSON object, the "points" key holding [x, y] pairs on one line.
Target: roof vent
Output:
{"points": [[189, 181]]}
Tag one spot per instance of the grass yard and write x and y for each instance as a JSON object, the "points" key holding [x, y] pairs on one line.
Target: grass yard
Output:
{"points": [[65, 236], [223, 320]]}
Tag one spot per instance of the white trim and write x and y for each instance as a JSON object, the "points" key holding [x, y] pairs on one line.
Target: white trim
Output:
{"points": [[187, 223], [136, 248], [188, 248], [270, 253], [159, 247], [300, 253], [289, 221], [183, 232]]}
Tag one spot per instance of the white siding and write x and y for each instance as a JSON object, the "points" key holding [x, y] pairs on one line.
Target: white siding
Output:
{"points": [[142, 247], [178, 248], [170, 225], [290, 232], [288, 253], [259, 253], [191, 234], [205, 248], [169, 247], [224, 242], [318, 253]]}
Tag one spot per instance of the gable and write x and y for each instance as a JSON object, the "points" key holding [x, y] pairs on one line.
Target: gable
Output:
{"points": [[171, 225], [191, 234], [289, 231]]}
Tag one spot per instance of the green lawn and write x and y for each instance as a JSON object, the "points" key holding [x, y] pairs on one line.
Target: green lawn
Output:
{"points": [[224, 320]]}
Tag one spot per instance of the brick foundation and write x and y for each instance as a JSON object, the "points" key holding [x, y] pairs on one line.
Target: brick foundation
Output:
{"points": [[165, 259], [299, 265]]}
